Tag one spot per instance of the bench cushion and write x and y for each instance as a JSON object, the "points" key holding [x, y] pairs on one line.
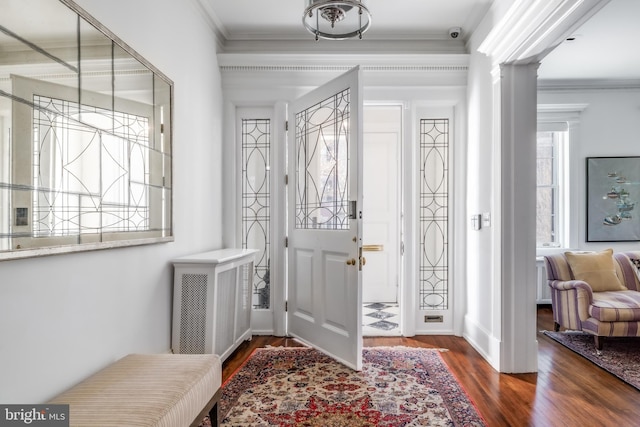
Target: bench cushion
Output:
{"points": [[145, 390], [618, 306]]}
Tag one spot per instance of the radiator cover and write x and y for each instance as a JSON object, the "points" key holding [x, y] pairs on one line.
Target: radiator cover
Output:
{"points": [[212, 302]]}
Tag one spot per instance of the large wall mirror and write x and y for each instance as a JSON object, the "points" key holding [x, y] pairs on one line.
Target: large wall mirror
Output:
{"points": [[85, 135]]}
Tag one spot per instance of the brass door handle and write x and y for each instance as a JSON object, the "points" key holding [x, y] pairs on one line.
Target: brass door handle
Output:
{"points": [[351, 261], [373, 248]]}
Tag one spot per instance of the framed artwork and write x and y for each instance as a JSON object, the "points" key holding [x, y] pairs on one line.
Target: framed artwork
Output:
{"points": [[613, 191]]}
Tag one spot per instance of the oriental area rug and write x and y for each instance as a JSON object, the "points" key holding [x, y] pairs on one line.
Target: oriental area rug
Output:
{"points": [[619, 356], [294, 386]]}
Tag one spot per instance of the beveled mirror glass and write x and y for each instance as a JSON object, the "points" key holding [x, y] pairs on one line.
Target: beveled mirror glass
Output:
{"points": [[85, 142]]}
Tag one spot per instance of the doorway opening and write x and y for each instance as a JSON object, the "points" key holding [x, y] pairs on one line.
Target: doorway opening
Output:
{"points": [[382, 230]]}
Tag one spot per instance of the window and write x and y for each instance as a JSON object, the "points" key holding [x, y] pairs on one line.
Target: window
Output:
{"points": [[551, 141], [256, 203], [322, 144], [434, 214]]}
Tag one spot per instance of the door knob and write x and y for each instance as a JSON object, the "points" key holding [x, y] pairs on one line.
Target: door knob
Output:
{"points": [[363, 260], [351, 261]]}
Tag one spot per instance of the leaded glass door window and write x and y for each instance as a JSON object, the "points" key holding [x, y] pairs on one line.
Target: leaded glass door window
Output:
{"points": [[322, 143]]}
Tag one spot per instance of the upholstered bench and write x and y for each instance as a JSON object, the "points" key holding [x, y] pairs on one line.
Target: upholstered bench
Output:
{"points": [[170, 390]]}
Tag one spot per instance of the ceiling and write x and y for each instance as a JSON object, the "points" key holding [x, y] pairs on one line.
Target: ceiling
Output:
{"points": [[600, 50], [605, 47], [397, 19]]}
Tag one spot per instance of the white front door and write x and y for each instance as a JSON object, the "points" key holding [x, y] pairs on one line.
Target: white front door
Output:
{"points": [[324, 289], [381, 172]]}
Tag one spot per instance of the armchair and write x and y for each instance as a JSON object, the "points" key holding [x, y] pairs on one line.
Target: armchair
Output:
{"points": [[598, 293]]}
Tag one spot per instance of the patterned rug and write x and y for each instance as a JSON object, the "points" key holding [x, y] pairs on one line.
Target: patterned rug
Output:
{"points": [[619, 356], [398, 386]]}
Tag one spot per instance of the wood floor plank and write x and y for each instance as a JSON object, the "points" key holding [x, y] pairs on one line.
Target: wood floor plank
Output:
{"points": [[567, 390]]}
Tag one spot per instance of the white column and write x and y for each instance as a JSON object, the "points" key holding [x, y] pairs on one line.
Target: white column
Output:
{"points": [[519, 347]]}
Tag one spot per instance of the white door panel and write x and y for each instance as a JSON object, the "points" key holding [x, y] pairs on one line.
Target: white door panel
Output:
{"points": [[381, 204], [325, 159], [301, 294]]}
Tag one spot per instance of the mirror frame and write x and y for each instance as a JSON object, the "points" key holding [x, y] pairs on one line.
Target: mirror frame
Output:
{"points": [[82, 247]]}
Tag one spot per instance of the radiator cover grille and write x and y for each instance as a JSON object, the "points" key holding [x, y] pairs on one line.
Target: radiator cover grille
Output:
{"points": [[193, 314]]}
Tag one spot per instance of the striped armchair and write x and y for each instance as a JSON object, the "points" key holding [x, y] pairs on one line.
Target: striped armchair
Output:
{"points": [[603, 314]]}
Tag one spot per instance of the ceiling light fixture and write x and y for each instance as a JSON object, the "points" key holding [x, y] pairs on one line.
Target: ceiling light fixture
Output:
{"points": [[336, 19]]}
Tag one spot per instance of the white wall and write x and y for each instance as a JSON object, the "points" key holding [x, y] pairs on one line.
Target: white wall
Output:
{"points": [[609, 126], [65, 316], [482, 320]]}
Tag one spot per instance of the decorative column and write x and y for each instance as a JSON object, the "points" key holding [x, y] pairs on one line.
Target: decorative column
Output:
{"points": [[519, 346]]}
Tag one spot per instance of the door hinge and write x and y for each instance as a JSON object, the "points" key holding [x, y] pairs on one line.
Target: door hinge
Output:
{"points": [[286, 125], [286, 179], [286, 306], [286, 242]]}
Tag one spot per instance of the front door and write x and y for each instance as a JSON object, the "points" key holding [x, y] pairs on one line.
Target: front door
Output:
{"points": [[381, 172], [324, 290]]}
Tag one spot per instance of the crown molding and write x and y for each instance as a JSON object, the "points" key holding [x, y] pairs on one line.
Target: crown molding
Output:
{"points": [[300, 70], [304, 46], [326, 62], [582, 85], [378, 36], [215, 24], [530, 29], [561, 108]]}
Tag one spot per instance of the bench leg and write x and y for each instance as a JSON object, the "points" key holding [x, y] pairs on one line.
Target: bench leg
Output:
{"points": [[211, 409], [214, 414], [556, 326]]}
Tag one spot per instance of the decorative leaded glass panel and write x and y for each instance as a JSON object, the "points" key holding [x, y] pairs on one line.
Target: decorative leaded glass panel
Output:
{"points": [[322, 147], [90, 169], [434, 211], [256, 145]]}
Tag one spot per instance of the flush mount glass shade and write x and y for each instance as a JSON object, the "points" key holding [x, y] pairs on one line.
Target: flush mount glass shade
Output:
{"points": [[336, 19]]}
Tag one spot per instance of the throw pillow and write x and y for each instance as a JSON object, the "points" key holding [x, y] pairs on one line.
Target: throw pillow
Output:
{"points": [[595, 268]]}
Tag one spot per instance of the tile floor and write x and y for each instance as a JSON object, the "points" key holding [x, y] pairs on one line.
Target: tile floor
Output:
{"points": [[380, 319]]}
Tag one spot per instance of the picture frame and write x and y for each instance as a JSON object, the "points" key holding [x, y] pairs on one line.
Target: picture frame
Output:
{"points": [[613, 192]]}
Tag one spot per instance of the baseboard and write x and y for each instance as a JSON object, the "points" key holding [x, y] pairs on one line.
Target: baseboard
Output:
{"points": [[263, 332], [482, 341]]}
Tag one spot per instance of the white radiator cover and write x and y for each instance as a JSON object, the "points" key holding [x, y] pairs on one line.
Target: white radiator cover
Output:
{"points": [[212, 302], [543, 295]]}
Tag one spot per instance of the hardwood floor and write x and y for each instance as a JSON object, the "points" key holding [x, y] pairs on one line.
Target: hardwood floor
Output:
{"points": [[568, 390]]}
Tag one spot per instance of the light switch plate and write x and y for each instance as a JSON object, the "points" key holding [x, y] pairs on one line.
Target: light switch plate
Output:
{"points": [[476, 221], [486, 219]]}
